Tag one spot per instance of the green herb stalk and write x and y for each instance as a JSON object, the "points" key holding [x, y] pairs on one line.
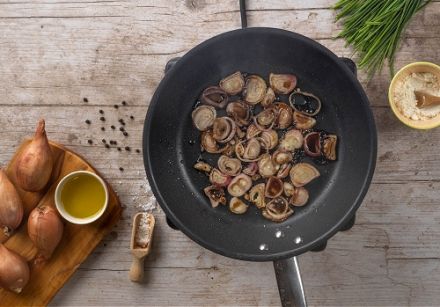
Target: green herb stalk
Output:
{"points": [[374, 28]]}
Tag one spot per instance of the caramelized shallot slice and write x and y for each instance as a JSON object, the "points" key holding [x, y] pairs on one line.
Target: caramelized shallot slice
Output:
{"points": [[229, 166], [312, 144], [255, 89], [252, 149], [265, 118], [203, 117], [218, 178], [269, 98], [303, 173], [285, 116], [240, 185], [284, 170], [282, 157], [256, 195], [203, 166], [266, 166], [282, 83], [293, 139], [277, 210], [216, 195], [299, 197], [288, 189], [240, 112], [329, 146], [214, 96], [252, 131], [251, 169], [232, 84], [270, 138], [209, 143], [223, 129], [274, 187], [237, 206], [303, 121], [309, 104]]}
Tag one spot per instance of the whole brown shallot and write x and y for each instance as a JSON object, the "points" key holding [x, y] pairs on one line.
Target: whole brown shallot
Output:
{"points": [[45, 230], [14, 270], [11, 206], [35, 163]]}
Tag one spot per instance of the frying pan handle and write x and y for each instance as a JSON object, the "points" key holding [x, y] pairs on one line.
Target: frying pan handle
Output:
{"points": [[243, 14], [290, 283]]}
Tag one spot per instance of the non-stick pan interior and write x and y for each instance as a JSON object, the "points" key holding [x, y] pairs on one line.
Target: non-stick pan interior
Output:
{"points": [[172, 145]]}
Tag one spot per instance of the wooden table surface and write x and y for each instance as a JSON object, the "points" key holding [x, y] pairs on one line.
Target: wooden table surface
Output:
{"points": [[55, 53]]}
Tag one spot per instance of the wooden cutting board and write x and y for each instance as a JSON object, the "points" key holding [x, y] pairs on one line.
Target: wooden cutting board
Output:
{"points": [[78, 240]]}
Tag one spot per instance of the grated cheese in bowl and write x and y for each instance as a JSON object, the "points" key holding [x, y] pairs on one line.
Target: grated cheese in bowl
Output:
{"points": [[405, 99]]}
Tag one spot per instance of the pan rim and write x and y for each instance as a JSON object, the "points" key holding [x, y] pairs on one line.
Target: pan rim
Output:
{"points": [[276, 255]]}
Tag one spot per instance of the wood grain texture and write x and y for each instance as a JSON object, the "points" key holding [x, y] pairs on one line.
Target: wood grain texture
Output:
{"points": [[77, 243], [55, 53]]}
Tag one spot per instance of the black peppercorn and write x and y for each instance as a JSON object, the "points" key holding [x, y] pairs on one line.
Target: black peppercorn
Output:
{"points": [[107, 146], [116, 106], [124, 103], [102, 129], [127, 148], [102, 118], [101, 112], [85, 99], [104, 141], [131, 117], [113, 127], [119, 148], [90, 142], [125, 133], [121, 169], [122, 129], [88, 122], [138, 151]]}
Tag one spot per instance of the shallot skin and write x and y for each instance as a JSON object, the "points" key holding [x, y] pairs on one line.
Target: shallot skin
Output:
{"points": [[45, 229], [35, 163], [11, 205], [14, 270]]}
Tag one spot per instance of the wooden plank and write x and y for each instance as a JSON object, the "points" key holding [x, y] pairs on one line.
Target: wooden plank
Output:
{"points": [[55, 53]]}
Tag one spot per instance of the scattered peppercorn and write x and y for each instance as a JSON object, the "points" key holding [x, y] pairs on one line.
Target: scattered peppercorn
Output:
{"points": [[113, 127], [85, 99], [102, 118], [124, 103], [115, 106], [127, 148], [125, 133], [113, 142], [104, 141], [138, 151], [90, 141], [119, 148], [88, 122], [121, 169], [107, 146], [101, 112], [131, 117], [102, 129], [121, 129]]}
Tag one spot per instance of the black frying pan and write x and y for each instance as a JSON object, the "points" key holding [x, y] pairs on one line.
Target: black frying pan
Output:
{"points": [[171, 144]]}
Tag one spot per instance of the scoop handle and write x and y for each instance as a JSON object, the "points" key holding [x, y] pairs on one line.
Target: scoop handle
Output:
{"points": [[136, 273]]}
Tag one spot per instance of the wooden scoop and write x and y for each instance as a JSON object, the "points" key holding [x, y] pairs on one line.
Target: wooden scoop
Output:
{"points": [[140, 245], [425, 100]]}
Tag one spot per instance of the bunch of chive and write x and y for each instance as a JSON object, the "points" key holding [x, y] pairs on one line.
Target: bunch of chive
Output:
{"points": [[374, 28]]}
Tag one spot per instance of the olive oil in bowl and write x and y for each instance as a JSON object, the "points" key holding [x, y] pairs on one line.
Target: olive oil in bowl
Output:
{"points": [[81, 197]]}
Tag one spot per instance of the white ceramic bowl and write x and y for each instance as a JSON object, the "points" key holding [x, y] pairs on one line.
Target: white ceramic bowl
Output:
{"points": [[60, 206]]}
